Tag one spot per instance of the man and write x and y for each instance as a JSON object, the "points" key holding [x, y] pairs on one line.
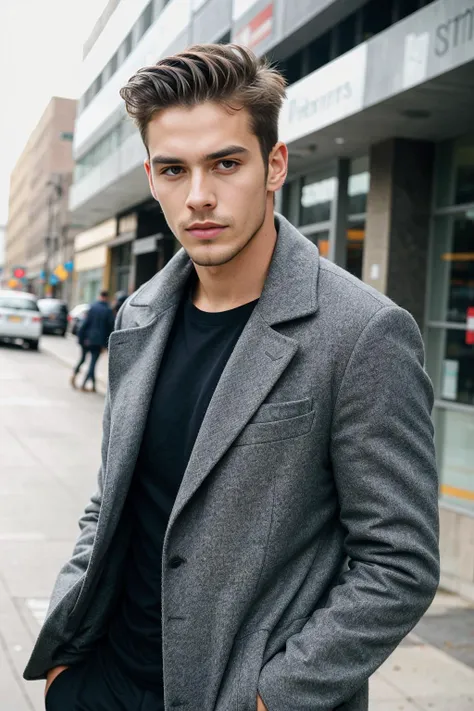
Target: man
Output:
{"points": [[120, 299], [265, 528], [93, 337]]}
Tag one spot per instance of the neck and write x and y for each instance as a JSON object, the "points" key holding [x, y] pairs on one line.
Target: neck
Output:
{"points": [[242, 279]]}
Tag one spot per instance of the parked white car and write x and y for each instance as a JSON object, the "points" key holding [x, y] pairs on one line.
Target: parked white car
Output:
{"points": [[20, 318]]}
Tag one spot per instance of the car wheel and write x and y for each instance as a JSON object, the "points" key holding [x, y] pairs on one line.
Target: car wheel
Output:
{"points": [[33, 345], [64, 333]]}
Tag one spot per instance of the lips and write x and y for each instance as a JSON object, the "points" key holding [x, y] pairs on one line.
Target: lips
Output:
{"points": [[205, 230]]}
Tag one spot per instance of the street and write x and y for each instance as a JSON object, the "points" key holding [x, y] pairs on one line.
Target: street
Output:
{"points": [[49, 454]]}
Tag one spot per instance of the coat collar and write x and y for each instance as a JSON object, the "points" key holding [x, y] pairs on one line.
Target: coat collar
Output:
{"points": [[290, 290]]}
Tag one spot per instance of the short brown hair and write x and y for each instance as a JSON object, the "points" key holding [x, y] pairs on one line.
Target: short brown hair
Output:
{"points": [[227, 74]]}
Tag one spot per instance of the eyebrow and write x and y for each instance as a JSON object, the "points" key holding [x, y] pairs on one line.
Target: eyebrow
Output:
{"points": [[228, 151]]}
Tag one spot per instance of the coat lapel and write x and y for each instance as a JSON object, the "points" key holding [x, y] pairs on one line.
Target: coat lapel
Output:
{"points": [[135, 354], [258, 361]]}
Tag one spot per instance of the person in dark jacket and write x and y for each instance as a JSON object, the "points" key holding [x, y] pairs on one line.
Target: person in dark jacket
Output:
{"points": [[94, 337], [120, 299]]}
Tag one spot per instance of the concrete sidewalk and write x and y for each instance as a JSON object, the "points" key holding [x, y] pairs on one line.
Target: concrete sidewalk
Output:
{"points": [[433, 668], [67, 351]]}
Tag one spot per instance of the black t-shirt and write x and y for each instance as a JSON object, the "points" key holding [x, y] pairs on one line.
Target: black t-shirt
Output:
{"points": [[197, 351]]}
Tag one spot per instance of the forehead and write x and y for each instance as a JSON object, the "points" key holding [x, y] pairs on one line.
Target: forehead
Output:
{"points": [[199, 130]]}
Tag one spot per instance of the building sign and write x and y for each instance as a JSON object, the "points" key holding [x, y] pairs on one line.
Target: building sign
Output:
{"points": [[438, 38], [327, 95], [257, 30], [415, 60], [457, 31]]}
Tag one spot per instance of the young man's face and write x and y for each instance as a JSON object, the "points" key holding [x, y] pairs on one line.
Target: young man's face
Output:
{"points": [[207, 172]]}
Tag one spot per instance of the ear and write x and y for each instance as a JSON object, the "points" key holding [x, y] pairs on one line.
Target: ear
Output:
{"points": [[277, 167], [149, 174]]}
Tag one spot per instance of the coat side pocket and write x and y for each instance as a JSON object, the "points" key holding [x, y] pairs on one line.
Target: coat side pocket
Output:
{"points": [[253, 649]]}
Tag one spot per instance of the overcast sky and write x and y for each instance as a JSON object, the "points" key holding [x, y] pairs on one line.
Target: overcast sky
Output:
{"points": [[40, 55]]}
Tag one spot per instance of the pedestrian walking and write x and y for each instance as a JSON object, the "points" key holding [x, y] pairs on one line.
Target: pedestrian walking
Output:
{"points": [[265, 527], [93, 338], [120, 299]]}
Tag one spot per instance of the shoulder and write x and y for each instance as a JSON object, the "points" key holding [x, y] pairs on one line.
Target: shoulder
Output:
{"points": [[346, 290], [351, 312]]}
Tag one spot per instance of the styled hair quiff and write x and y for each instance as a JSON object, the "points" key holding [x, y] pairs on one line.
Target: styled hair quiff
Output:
{"points": [[229, 75]]}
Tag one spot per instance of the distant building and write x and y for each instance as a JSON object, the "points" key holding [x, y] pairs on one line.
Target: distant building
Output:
{"points": [[40, 235]]}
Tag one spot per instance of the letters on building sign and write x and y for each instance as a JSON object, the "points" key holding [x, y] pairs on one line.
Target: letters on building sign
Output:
{"points": [[457, 31]]}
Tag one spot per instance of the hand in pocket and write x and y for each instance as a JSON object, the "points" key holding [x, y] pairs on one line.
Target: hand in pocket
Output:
{"points": [[51, 676]]}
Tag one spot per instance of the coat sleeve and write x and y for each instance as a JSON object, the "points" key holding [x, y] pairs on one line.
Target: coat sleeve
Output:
{"points": [[79, 560], [384, 468]]}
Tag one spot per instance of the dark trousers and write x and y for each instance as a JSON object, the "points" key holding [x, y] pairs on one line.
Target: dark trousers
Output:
{"points": [[94, 352], [99, 685]]}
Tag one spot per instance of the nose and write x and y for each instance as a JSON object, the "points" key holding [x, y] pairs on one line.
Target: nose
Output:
{"points": [[201, 194]]}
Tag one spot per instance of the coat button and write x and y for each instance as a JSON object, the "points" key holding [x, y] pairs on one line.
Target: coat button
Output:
{"points": [[176, 561]]}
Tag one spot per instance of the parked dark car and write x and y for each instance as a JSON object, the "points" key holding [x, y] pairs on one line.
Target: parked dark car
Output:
{"points": [[77, 316], [54, 313]]}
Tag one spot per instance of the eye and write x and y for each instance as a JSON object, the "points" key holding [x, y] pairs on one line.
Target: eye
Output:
{"points": [[228, 164], [172, 171]]}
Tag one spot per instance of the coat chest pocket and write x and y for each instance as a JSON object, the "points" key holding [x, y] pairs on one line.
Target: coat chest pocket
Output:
{"points": [[276, 421]]}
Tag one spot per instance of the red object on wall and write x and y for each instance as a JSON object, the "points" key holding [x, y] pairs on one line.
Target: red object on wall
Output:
{"points": [[470, 326], [257, 29]]}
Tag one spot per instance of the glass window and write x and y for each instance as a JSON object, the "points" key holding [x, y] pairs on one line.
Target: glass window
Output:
{"points": [[321, 240], [346, 34], [450, 363], [452, 268], [407, 7], [355, 248], [16, 303], [317, 196], [376, 17], [225, 39], [319, 52], [146, 18], [455, 172], [454, 446], [358, 188], [291, 68], [98, 84]]}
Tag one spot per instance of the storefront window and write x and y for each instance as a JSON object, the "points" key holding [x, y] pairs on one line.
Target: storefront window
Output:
{"points": [[450, 362], [355, 248], [321, 240], [455, 173], [89, 285], [450, 339], [317, 196], [452, 269], [454, 447], [121, 267], [358, 189]]}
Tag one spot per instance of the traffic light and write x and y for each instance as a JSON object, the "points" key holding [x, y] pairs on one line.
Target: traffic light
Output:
{"points": [[19, 273]]}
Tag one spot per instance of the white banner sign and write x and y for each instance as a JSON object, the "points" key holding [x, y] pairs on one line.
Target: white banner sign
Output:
{"points": [[327, 95]]}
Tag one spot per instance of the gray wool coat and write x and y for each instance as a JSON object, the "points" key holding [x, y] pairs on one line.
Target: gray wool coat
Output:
{"points": [[307, 516]]}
